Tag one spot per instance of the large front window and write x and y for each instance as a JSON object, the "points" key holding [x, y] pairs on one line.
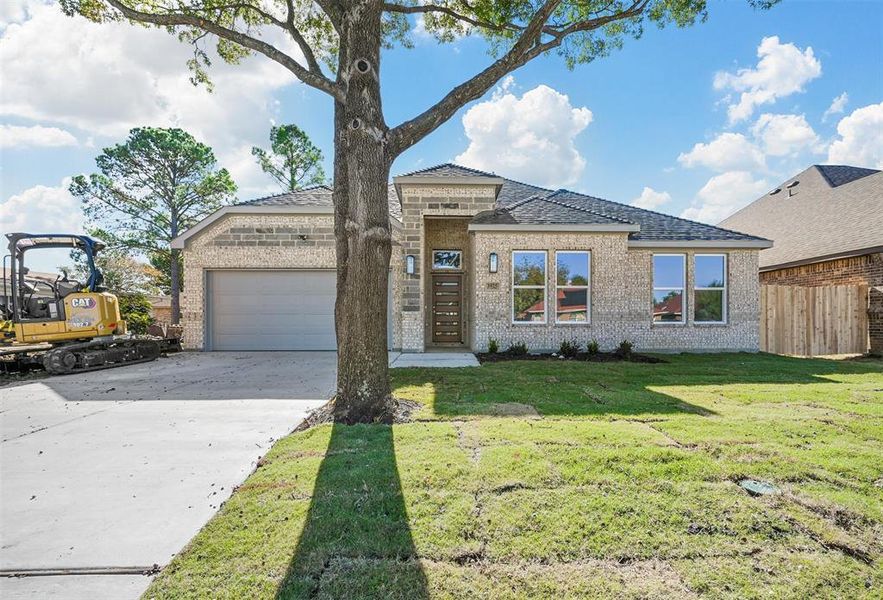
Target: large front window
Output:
{"points": [[529, 286], [710, 293], [572, 269], [668, 288]]}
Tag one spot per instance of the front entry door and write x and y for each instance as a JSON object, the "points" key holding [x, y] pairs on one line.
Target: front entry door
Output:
{"points": [[447, 308]]}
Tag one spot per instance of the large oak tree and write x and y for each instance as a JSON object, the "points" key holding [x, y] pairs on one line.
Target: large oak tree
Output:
{"points": [[340, 43]]}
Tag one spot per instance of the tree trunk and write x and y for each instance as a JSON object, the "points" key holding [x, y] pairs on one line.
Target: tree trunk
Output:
{"points": [[175, 284], [361, 226]]}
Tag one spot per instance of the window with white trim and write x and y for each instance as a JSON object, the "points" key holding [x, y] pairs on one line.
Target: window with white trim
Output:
{"points": [[529, 286], [572, 276], [669, 284], [710, 288]]}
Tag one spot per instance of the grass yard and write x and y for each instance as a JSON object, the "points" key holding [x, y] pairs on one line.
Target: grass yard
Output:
{"points": [[561, 479]]}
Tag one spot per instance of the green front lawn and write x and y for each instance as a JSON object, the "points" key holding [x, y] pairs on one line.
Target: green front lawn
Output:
{"points": [[560, 479]]}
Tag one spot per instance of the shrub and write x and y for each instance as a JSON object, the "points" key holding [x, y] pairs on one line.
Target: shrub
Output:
{"points": [[135, 311], [517, 349], [569, 348], [493, 346], [593, 347], [625, 349]]}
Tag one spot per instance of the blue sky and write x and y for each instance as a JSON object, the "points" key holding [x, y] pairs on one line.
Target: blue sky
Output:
{"points": [[614, 128]]}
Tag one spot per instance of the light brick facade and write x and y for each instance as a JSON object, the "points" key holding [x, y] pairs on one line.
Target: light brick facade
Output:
{"points": [[436, 217], [621, 288]]}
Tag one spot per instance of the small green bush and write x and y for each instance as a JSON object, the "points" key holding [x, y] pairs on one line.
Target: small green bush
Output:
{"points": [[569, 348], [593, 347], [493, 346], [625, 349], [517, 349], [135, 310]]}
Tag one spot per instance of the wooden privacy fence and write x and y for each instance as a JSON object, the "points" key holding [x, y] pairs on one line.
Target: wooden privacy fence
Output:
{"points": [[812, 321]]}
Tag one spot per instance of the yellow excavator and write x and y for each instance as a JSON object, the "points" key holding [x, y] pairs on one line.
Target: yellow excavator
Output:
{"points": [[65, 326]]}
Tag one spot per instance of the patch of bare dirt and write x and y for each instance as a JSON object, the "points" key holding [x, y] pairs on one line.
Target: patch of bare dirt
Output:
{"points": [[485, 357], [401, 412], [513, 409]]}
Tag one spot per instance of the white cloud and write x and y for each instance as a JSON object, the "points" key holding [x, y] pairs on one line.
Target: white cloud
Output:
{"points": [[838, 105], [105, 79], [861, 138], [43, 209], [15, 136], [727, 152], [651, 199], [783, 69], [532, 136], [723, 195], [783, 135], [13, 11]]}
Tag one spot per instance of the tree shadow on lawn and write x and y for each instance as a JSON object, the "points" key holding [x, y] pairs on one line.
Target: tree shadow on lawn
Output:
{"points": [[356, 541], [572, 388]]}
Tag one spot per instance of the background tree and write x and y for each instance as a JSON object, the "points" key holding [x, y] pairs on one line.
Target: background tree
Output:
{"points": [[152, 187], [293, 161], [347, 36], [123, 273]]}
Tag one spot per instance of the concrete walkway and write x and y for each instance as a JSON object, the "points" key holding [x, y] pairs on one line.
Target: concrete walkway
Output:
{"points": [[433, 359], [120, 468]]}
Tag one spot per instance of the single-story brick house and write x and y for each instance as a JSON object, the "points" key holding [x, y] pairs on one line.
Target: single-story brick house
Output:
{"points": [[475, 257], [827, 225]]}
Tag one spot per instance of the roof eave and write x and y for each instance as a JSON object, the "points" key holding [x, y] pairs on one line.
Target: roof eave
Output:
{"points": [[756, 243], [560, 227], [824, 258]]}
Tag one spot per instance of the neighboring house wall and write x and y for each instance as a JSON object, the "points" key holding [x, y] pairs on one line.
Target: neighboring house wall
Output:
{"points": [[243, 241], [429, 200], [621, 297], [866, 269]]}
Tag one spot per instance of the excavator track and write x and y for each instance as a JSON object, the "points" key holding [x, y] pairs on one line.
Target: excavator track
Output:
{"points": [[100, 354]]}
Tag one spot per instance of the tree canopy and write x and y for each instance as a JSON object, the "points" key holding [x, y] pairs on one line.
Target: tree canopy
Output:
{"points": [[516, 32], [150, 188]]}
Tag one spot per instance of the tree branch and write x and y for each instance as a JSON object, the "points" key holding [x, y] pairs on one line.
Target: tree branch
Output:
{"points": [[527, 47], [410, 132], [305, 74], [430, 8]]}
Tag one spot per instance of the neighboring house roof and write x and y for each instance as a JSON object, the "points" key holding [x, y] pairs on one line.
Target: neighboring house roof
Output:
{"points": [[523, 206], [823, 213]]}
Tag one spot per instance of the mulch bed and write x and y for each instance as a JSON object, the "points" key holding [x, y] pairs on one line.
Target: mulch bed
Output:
{"points": [[485, 357]]}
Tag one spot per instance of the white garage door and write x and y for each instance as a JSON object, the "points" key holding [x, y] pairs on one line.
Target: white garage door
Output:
{"points": [[270, 310]]}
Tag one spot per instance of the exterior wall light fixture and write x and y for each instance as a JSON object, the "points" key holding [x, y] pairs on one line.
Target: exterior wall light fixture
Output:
{"points": [[410, 264], [493, 263]]}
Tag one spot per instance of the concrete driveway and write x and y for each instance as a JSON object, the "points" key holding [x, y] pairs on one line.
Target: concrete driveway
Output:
{"points": [[105, 474]]}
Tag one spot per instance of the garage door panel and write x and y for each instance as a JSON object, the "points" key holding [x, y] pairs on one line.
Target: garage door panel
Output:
{"points": [[272, 310]]}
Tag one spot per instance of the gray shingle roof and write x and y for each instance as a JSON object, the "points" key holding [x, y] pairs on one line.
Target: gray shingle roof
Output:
{"points": [[523, 203], [448, 170], [837, 175], [827, 211], [539, 210], [319, 195]]}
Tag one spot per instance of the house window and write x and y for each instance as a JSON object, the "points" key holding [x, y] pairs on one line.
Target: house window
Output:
{"points": [[451, 260], [668, 288], [572, 270], [710, 288], [529, 286]]}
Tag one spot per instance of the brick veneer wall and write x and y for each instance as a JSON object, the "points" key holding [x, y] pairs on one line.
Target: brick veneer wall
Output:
{"points": [[429, 200], [267, 241], [853, 270], [621, 297]]}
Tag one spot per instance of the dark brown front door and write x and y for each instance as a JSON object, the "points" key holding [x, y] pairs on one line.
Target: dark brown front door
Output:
{"points": [[447, 308]]}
